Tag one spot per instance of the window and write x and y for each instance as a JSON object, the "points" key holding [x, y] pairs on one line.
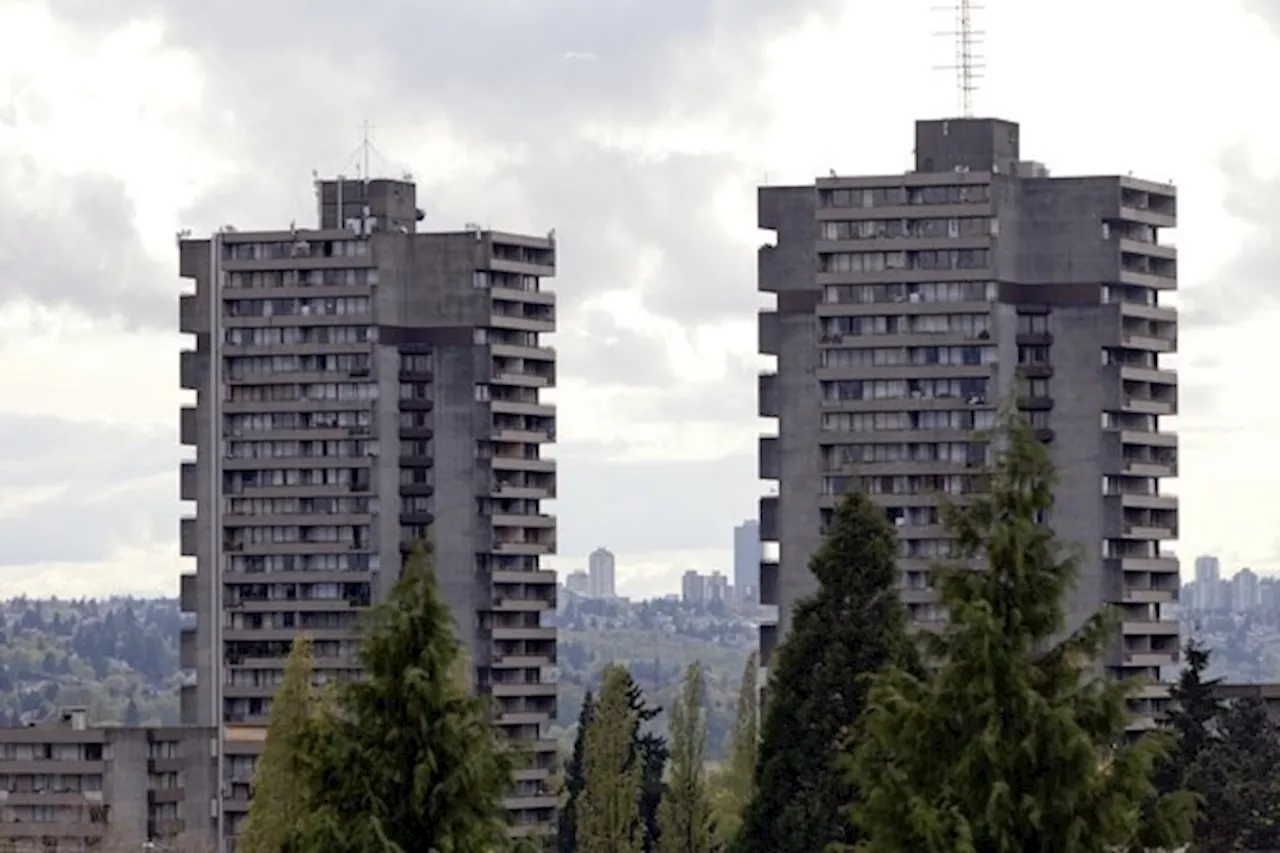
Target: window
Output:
{"points": [[1033, 324]]}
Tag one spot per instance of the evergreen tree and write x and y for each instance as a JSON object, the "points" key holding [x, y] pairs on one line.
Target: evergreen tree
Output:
{"points": [[853, 626], [649, 750], [279, 803], [735, 785], [407, 759], [1013, 744], [608, 815], [1194, 710], [131, 716], [574, 780], [1234, 776], [685, 813]]}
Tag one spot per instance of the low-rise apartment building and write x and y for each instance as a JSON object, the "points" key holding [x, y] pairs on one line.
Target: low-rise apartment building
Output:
{"points": [[68, 786]]}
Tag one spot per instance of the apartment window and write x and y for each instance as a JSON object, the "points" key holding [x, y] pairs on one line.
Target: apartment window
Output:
{"points": [[1033, 355], [1033, 324], [954, 419], [480, 279], [281, 335], [974, 326], [482, 393], [951, 291], [884, 389]]}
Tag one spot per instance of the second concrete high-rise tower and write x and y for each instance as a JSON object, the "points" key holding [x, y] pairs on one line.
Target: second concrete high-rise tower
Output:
{"points": [[909, 306]]}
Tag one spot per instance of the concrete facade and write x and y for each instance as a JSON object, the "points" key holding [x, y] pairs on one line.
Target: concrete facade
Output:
{"points": [[359, 387], [69, 786], [909, 307]]}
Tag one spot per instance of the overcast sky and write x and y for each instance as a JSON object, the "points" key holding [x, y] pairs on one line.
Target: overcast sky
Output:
{"points": [[639, 131]]}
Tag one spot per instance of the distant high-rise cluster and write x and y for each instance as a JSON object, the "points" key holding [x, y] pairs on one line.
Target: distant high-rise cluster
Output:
{"points": [[698, 589], [598, 581], [1243, 592]]}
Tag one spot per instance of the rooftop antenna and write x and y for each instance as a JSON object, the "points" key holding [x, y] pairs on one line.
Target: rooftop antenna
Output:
{"points": [[365, 147], [968, 65]]}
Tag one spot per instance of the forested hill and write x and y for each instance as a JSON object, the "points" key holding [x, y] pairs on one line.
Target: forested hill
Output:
{"points": [[118, 657]]}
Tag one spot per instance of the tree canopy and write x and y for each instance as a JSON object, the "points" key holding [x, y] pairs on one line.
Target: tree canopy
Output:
{"points": [[684, 817], [279, 804], [407, 759], [735, 784], [853, 626], [1014, 743], [608, 811]]}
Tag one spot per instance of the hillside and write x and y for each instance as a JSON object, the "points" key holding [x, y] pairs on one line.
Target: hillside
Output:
{"points": [[119, 657]]}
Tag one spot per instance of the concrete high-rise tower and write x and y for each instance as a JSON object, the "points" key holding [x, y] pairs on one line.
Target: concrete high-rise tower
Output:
{"points": [[919, 302], [361, 386]]}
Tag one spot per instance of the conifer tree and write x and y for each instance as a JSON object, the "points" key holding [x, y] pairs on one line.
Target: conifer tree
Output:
{"points": [[1194, 709], [1014, 743], [279, 803], [684, 816], [574, 780], [1234, 775], [408, 759], [853, 626], [608, 813], [735, 784], [649, 750]]}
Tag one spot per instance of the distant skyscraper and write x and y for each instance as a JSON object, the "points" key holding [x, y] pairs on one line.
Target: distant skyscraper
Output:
{"points": [[718, 588], [1208, 573], [600, 572], [693, 588], [747, 553], [578, 582], [1244, 591]]}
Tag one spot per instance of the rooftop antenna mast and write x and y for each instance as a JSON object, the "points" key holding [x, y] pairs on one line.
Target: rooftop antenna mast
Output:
{"points": [[968, 65], [365, 147]]}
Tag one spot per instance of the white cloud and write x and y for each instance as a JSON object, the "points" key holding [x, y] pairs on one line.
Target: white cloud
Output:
{"points": [[646, 162]]}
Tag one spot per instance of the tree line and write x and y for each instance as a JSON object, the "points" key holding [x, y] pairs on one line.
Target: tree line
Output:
{"points": [[999, 732]]}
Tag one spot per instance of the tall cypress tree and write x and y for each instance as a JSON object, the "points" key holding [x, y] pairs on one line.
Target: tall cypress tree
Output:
{"points": [[685, 812], [853, 626], [408, 759], [574, 780], [608, 815], [1194, 708], [1014, 743], [735, 785], [650, 751], [279, 803]]}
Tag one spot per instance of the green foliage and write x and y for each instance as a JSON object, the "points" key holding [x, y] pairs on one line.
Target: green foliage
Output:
{"points": [[1011, 744], [853, 626], [656, 641], [1195, 708], [100, 654], [407, 760], [735, 784], [1234, 775], [279, 803], [684, 816], [608, 818], [574, 781]]}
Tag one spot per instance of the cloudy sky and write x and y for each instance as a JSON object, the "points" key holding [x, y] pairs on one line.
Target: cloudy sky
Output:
{"points": [[639, 130]]}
